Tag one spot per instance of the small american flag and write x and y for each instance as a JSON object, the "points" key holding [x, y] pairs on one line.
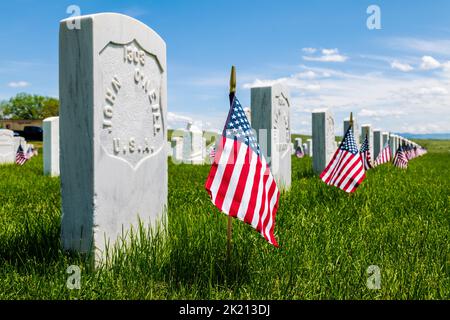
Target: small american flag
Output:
{"points": [[346, 169], [299, 152], [20, 156], [29, 153], [384, 156], [212, 153], [365, 154], [240, 183], [400, 159]]}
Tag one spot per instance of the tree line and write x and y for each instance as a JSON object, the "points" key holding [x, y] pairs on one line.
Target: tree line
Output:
{"points": [[26, 106]]}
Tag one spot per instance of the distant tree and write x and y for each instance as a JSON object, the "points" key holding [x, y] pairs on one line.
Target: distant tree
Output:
{"points": [[28, 107]]}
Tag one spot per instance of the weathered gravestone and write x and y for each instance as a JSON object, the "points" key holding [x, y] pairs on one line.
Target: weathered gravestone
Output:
{"points": [[177, 149], [366, 129], [377, 143], [194, 145], [113, 130], [355, 129], [51, 146], [393, 143], [305, 149], [384, 138], [271, 116], [7, 147], [309, 142], [324, 141]]}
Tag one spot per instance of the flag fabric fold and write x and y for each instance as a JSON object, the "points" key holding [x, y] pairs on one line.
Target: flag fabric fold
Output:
{"points": [[240, 183], [365, 154], [384, 156], [20, 156], [346, 168], [400, 159]]}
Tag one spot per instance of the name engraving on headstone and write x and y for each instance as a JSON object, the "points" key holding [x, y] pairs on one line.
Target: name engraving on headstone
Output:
{"points": [[131, 105]]}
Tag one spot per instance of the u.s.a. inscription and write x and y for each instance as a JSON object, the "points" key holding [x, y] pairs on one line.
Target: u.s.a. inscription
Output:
{"points": [[132, 123]]}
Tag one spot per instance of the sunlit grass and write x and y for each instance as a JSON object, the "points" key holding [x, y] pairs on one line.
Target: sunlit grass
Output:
{"points": [[397, 220]]}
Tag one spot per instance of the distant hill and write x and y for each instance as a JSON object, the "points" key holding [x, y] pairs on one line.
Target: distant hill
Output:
{"points": [[430, 136]]}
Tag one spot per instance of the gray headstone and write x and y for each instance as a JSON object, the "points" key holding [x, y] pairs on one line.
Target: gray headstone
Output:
{"points": [[355, 129], [112, 89], [51, 146], [7, 147], [271, 116], [377, 143], [384, 138], [324, 141]]}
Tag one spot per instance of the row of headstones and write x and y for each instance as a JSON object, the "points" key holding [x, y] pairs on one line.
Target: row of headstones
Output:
{"points": [[9, 144], [113, 140], [324, 139]]}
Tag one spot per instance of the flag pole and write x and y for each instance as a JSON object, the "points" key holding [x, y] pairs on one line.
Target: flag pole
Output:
{"points": [[232, 93]]}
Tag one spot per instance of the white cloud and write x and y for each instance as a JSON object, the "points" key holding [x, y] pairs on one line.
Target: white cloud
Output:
{"points": [[434, 91], [328, 55], [429, 63], [435, 46], [380, 113], [404, 67], [19, 84], [329, 52], [309, 50]]}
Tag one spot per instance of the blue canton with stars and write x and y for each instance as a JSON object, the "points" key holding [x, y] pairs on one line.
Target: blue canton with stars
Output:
{"points": [[238, 127], [349, 143], [365, 145]]}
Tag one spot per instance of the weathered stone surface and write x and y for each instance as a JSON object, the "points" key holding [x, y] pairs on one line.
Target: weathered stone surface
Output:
{"points": [[7, 147], [51, 146], [324, 139], [309, 142], [271, 119], [377, 143], [113, 130]]}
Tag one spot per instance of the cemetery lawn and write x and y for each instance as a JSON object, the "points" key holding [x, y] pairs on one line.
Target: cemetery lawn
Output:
{"points": [[397, 220]]}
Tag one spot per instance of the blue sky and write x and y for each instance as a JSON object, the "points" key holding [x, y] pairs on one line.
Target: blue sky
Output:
{"points": [[396, 78]]}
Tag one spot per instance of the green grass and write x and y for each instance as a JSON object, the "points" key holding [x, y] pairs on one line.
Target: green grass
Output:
{"points": [[397, 220]]}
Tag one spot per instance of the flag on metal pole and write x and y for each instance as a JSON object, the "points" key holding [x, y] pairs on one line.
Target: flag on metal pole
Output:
{"points": [[346, 168], [240, 183], [384, 156], [365, 154]]}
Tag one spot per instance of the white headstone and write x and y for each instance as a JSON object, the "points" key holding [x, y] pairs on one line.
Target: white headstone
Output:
{"points": [[324, 141], [112, 89], [7, 147], [194, 145], [384, 138], [298, 142], [305, 149], [355, 129], [377, 143], [309, 142], [292, 148], [51, 146], [271, 116], [177, 149]]}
